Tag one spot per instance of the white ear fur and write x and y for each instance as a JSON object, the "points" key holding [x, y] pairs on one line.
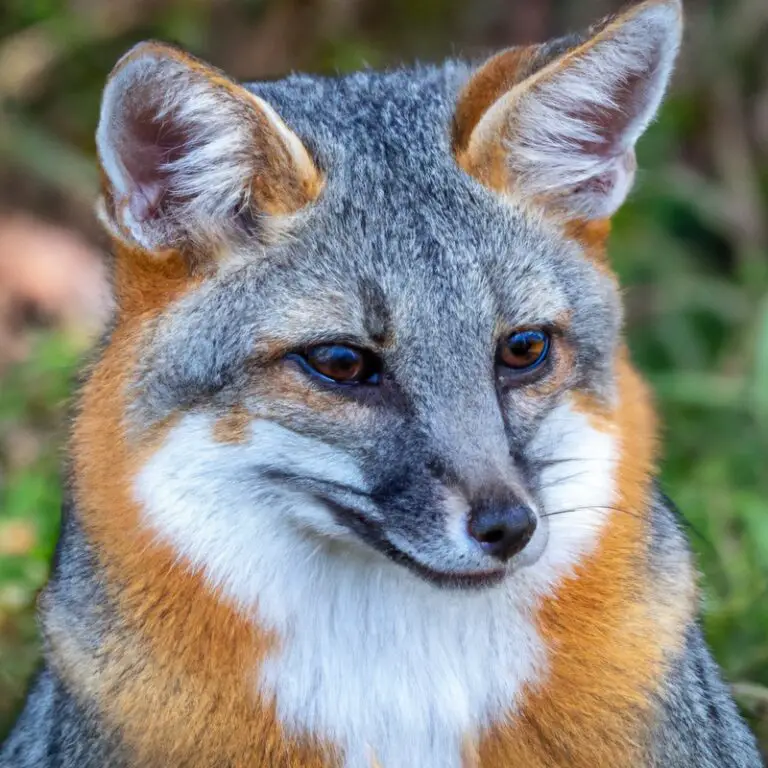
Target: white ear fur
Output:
{"points": [[570, 129], [180, 146]]}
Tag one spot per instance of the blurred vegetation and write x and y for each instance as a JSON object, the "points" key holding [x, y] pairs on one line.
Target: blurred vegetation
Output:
{"points": [[691, 247]]}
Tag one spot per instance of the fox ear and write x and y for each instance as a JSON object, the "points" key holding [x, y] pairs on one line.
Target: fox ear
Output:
{"points": [[186, 153], [563, 127]]}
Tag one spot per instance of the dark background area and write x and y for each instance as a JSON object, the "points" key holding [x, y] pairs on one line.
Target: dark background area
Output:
{"points": [[691, 248]]}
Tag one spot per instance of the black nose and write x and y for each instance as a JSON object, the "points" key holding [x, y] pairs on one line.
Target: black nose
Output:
{"points": [[502, 531]]}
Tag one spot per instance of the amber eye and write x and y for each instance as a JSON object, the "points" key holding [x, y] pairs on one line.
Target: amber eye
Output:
{"points": [[342, 364], [523, 350]]}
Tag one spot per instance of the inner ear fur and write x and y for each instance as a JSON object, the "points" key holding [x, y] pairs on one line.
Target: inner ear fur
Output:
{"points": [[556, 124], [186, 154]]}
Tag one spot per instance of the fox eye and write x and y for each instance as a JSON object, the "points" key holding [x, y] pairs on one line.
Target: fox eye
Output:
{"points": [[522, 351], [342, 364]]}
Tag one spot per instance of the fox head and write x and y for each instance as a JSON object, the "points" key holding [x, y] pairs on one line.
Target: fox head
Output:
{"points": [[370, 319]]}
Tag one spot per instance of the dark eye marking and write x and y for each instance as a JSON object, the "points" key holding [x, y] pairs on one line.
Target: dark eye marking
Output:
{"points": [[340, 364], [523, 351]]}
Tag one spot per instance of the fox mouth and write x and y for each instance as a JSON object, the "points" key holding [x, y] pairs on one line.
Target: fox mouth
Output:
{"points": [[371, 535], [448, 579], [343, 501]]}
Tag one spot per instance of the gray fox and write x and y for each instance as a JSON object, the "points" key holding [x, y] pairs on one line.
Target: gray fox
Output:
{"points": [[361, 474]]}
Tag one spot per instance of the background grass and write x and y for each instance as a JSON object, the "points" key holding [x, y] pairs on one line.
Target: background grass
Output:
{"points": [[691, 247]]}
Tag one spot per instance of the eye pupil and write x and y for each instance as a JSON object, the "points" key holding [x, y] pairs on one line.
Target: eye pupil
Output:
{"points": [[523, 350]]}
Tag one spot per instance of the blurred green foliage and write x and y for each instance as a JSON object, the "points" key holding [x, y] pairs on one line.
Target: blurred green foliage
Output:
{"points": [[692, 248], [31, 425]]}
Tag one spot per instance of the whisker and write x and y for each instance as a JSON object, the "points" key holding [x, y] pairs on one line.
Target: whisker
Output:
{"points": [[595, 506], [566, 479], [570, 459]]}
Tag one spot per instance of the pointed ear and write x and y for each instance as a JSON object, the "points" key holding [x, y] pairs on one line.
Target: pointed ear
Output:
{"points": [[564, 135], [187, 154]]}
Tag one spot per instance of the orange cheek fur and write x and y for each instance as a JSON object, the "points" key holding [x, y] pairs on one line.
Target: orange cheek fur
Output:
{"points": [[176, 671], [233, 426], [590, 709]]}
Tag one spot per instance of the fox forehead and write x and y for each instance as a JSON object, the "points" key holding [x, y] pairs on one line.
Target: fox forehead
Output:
{"points": [[403, 117]]}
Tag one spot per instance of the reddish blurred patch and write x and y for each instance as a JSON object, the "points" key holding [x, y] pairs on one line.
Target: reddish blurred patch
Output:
{"points": [[49, 276], [17, 537]]}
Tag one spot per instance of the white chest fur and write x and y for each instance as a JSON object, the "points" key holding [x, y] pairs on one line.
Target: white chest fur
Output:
{"points": [[371, 657]]}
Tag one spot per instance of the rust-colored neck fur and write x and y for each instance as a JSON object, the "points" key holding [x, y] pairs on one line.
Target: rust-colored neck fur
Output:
{"points": [[176, 675], [607, 640]]}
